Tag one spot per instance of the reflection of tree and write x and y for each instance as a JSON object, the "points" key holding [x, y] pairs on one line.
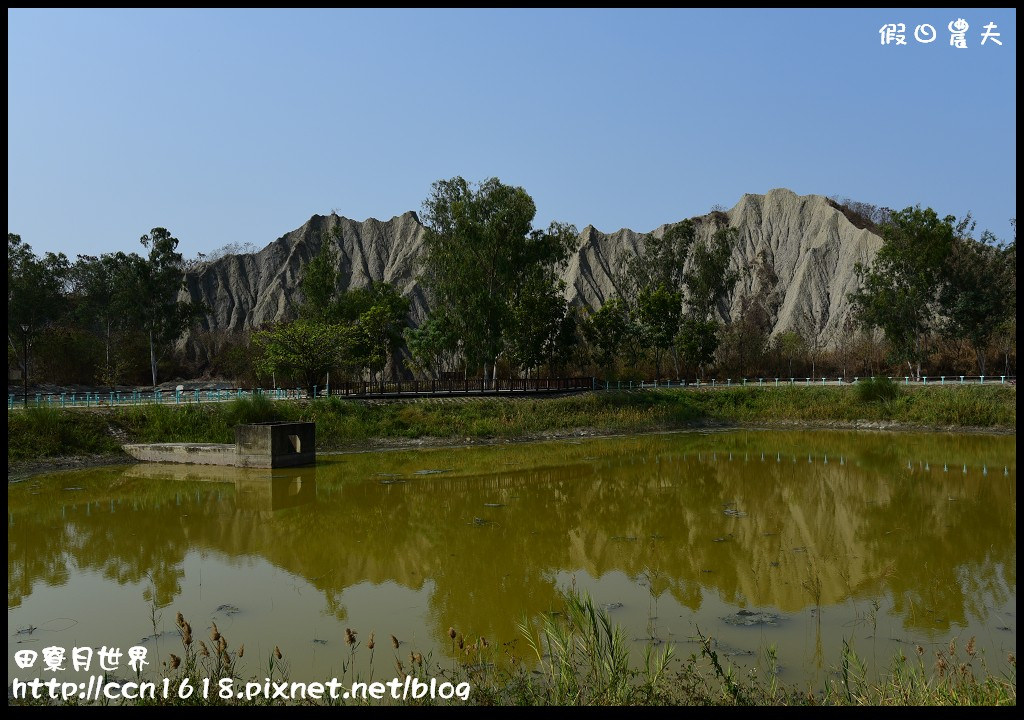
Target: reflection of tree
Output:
{"points": [[861, 525]]}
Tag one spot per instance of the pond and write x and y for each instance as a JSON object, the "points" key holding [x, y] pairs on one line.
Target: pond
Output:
{"points": [[793, 540]]}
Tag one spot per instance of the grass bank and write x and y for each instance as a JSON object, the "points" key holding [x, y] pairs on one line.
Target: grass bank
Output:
{"points": [[48, 433]]}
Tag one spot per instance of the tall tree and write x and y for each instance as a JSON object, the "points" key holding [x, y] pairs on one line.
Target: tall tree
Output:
{"points": [[607, 329], [104, 301], [381, 323], [539, 313], [659, 311], [706, 281], [659, 262], [376, 314], [319, 285], [708, 278], [37, 290], [980, 295], [650, 283], [901, 292], [158, 278], [480, 247], [698, 340]]}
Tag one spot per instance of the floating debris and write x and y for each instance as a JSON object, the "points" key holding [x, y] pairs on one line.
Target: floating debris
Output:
{"points": [[727, 538], [26, 630], [737, 653], [393, 481], [479, 522], [74, 487], [612, 606], [228, 610], [384, 474], [624, 538], [748, 618], [732, 512], [650, 640], [318, 641], [430, 472], [494, 505], [802, 548], [165, 633]]}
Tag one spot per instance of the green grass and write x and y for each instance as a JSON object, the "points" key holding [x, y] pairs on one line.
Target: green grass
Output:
{"points": [[46, 432], [877, 389]]}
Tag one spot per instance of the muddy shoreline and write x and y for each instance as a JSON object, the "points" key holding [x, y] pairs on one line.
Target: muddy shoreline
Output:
{"points": [[22, 470]]}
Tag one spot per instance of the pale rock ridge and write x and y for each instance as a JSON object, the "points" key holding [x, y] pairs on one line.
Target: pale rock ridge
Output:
{"points": [[811, 246]]}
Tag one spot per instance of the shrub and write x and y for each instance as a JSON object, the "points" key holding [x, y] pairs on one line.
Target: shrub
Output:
{"points": [[877, 389]]}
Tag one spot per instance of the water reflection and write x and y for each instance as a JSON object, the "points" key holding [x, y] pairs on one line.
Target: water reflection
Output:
{"points": [[701, 523]]}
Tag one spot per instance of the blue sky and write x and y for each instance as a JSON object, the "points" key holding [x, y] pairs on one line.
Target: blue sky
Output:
{"points": [[236, 126]]}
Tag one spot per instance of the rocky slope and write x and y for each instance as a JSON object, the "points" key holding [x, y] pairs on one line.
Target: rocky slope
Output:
{"points": [[809, 244]]}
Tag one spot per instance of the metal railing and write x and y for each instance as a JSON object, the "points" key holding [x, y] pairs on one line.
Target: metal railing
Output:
{"points": [[451, 387], [353, 390], [802, 382]]}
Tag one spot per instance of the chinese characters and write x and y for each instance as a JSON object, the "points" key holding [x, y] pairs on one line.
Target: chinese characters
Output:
{"points": [[925, 33]]}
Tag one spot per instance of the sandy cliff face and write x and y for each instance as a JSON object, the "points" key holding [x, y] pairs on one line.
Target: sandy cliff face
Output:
{"points": [[811, 246]]}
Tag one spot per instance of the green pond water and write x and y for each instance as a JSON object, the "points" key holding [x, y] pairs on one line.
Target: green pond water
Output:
{"points": [[798, 540]]}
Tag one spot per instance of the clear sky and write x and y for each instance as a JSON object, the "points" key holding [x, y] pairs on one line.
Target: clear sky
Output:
{"points": [[236, 126]]}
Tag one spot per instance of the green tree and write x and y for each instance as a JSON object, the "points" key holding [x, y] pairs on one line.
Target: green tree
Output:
{"points": [[698, 340], [706, 281], [651, 280], [659, 311], [37, 290], [308, 349], [381, 325], [319, 286], [660, 261], [608, 329], [540, 320], [901, 292], [433, 345], [377, 313], [479, 248], [790, 344], [158, 280], [980, 294], [535, 319], [104, 301], [708, 278]]}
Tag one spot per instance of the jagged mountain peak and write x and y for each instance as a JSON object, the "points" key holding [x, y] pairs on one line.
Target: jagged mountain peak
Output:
{"points": [[812, 248]]}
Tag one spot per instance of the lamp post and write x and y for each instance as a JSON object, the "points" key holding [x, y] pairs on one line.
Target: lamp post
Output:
{"points": [[24, 360]]}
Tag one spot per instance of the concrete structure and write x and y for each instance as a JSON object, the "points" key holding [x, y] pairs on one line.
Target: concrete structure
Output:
{"points": [[275, 444], [261, 445]]}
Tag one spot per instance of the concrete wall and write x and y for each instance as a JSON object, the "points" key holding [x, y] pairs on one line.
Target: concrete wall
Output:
{"points": [[191, 453]]}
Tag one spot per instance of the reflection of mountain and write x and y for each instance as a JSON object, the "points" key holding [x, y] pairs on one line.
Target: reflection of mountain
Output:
{"points": [[839, 510]]}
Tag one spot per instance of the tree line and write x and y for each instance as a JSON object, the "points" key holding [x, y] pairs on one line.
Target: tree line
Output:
{"points": [[934, 299], [99, 320]]}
